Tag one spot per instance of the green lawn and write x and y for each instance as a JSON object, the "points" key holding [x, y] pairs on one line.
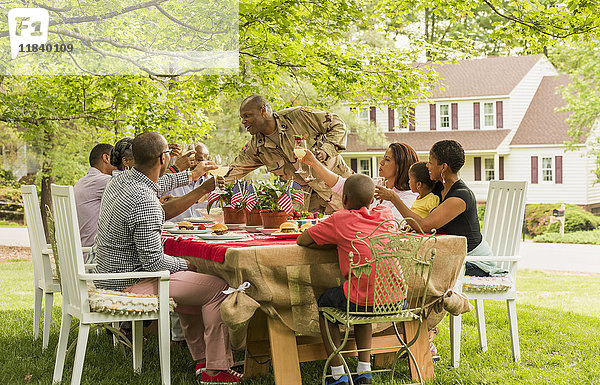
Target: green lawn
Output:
{"points": [[10, 224], [559, 325]]}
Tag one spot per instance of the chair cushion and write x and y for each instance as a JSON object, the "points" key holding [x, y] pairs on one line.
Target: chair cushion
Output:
{"points": [[119, 302], [336, 315], [487, 283]]}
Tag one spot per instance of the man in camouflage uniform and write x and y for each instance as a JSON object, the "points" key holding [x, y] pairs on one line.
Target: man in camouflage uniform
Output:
{"points": [[272, 145]]}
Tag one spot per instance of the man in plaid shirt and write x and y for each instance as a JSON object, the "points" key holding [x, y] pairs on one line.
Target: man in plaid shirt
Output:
{"points": [[129, 239]]}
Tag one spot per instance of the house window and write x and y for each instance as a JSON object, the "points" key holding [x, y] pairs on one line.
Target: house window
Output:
{"points": [[401, 119], [363, 113], [488, 114], [547, 170], [365, 167], [444, 116], [488, 167]]}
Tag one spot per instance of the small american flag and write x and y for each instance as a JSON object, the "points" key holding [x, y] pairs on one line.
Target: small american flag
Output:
{"points": [[251, 196], [237, 196], [285, 202], [245, 190], [213, 196], [297, 196]]}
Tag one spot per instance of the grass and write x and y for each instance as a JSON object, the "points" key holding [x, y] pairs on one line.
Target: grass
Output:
{"points": [[559, 324], [584, 237], [4, 223]]}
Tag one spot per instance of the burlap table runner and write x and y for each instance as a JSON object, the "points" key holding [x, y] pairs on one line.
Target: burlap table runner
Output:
{"points": [[286, 282]]}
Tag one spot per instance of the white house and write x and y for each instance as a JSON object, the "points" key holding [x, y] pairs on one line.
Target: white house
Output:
{"points": [[502, 110]]}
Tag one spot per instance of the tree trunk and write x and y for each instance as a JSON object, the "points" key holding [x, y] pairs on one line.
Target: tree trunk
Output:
{"points": [[46, 198], [47, 177]]}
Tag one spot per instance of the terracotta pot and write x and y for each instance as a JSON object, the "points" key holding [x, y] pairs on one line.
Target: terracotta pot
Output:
{"points": [[273, 220], [233, 215], [253, 218]]}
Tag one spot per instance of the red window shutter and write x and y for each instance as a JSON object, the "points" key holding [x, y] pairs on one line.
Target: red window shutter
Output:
{"points": [[354, 164], [432, 119], [501, 168], [373, 115], [477, 161], [411, 119], [499, 115], [558, 167], [454, 107], [390, 119], [476, 118], [534, 169]]}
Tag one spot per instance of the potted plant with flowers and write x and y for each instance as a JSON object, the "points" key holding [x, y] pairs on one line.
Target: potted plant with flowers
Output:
{"points": [[231, 215]]}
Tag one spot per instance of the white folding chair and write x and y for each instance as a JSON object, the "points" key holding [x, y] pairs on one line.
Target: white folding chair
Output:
{"points": [[45, 284], [77, 300], [502, 224]]}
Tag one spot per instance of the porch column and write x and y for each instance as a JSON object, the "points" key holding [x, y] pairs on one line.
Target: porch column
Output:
{"points": [[374, 166]]}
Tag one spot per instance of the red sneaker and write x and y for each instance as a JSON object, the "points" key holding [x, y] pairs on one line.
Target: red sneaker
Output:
{"points": [[224, 377], [200, 367]]}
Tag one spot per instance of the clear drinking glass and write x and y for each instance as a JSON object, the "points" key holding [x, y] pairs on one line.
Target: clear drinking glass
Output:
{"points": [[221, 171], [300, 151], [379, 181]]}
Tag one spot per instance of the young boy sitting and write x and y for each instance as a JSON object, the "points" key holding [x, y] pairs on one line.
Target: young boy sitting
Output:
{"points": [[340, 229]]}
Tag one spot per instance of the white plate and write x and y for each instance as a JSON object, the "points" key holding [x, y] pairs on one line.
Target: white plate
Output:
{"points": [[198, 220], [224, 237], [267, 231], [177, 231], [235, 226], [252, 229], [169, 225], [286, 235]]}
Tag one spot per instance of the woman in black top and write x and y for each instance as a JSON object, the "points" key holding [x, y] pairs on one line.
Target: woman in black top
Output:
{"points": [[457, 212]]}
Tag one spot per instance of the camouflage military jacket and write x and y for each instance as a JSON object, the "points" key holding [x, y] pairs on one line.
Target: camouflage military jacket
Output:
{"points": [[322, 130]]}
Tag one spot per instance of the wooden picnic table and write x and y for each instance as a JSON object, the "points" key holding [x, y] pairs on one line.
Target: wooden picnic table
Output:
{"points": [[286, 280]]}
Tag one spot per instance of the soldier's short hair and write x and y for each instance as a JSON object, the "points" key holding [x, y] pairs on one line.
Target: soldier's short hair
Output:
{"points": [[257, 101]]}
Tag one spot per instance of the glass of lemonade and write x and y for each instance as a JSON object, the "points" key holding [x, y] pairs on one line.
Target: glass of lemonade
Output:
{"points": [[221, 171], [299, 152]]}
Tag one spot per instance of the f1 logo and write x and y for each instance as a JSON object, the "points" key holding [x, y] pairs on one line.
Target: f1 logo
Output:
{"points": [[27, 26]]}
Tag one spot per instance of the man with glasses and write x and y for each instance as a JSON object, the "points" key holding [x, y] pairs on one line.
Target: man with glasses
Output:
{"points": [[129, 239]]}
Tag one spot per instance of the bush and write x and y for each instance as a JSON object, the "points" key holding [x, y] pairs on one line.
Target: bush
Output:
{"points": [[480, 212], [537, 219], [584, 237]]}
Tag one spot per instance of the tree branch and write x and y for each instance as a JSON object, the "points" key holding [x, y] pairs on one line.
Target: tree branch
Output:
{"points": [[536, 28]]}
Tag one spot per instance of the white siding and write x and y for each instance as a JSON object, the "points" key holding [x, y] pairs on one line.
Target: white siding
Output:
{"points": [[593, 188], [517, 166], [523, 93]]}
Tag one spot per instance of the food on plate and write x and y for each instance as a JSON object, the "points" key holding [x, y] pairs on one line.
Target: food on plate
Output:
{"points": [[288, 227], [185, 225], [305, 226], [304, 215], [219, 229]]}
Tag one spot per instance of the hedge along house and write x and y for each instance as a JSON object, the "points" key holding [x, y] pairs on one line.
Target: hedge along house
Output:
{"points": [[502, 110]]}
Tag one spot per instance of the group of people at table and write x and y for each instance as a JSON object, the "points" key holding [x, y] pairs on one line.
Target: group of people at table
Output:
{"points": [[130, 190]]}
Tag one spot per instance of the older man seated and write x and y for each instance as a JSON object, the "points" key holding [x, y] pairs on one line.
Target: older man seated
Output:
{"points": [[129, 239]]}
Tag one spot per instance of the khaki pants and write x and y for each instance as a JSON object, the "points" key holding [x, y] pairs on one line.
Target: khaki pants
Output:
{"points": [[198, 298]]}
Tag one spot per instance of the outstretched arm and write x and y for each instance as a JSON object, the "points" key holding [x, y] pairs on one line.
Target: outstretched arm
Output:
{"points": [[328, 176], [175, 206], [444, 213]]}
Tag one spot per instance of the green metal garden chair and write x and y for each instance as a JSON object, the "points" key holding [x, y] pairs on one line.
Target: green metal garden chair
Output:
{"points": [[396, 266]]}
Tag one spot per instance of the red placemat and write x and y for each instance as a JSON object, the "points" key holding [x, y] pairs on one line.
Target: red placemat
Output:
{"points": [[214, 251]]}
